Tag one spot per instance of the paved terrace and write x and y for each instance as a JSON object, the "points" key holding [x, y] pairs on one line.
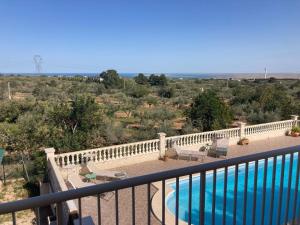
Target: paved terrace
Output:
{"points": [[108, 206]]}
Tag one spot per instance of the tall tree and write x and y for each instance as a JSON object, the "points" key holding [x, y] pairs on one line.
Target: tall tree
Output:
{"points": [[155, 80], [208, 112], [141, 79], [111, 79]]}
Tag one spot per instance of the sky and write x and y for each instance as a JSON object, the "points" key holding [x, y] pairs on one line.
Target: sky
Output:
{"points": [[150, 36]]}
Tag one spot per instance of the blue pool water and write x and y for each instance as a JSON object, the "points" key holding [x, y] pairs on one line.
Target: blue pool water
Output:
{"points": [[184, 193]]}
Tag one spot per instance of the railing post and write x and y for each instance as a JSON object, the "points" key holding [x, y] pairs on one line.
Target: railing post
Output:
{"points": [[162, 144], [49, 152], [242, 126], [295, 120]]}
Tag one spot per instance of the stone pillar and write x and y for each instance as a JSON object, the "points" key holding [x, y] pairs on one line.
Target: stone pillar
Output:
{"points": [[49, 152], [242, 129], [295, 119], [162, 144]]}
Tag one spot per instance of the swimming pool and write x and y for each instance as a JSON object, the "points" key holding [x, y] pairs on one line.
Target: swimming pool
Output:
{"points": [[184, 194]]}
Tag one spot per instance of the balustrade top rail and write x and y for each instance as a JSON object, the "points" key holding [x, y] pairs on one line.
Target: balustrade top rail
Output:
{"points": [[59, 197], [287, 122]]}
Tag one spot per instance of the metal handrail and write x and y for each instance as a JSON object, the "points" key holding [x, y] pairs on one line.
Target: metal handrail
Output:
{"points": [[60, 197]]}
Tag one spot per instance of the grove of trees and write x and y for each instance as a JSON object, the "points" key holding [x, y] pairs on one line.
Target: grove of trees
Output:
{"points": [[75, 113]]}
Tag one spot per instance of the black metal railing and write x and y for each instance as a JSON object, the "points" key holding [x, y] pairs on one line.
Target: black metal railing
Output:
{"points": [[260, 188]]}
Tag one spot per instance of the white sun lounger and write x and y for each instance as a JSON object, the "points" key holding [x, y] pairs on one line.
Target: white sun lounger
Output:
{"points": [[106, 173], [190, 154], [219, 147], [76, 182]]}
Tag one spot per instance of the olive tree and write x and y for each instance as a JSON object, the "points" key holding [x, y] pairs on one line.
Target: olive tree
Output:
{"points": [[208, 112]]}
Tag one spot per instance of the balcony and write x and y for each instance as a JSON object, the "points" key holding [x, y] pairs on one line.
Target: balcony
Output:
{"points": [[256, 184]]}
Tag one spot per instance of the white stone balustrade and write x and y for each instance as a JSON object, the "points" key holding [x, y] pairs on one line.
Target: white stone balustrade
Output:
{"points": [[156, 147], [108, 153], [266, 128], [203, 138]]}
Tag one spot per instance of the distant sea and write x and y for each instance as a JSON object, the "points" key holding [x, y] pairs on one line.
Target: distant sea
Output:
{"points": [[129, 75], [172, 75]]}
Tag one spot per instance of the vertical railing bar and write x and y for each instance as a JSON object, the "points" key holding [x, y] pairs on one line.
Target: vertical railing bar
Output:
{"points": [[59, 213], [236, 175], [225, 195], [80, 211], [38, 219], [254, 193], [245, 193], [190, 199], [214, 197], [149, 203], [264, 191], [99, 209], [296, 190], [163, 201], [202, 198], [117, 206], [133, 204], [14, 218], [272, 190], [177, 201], [281, 190], [289, 188]]}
